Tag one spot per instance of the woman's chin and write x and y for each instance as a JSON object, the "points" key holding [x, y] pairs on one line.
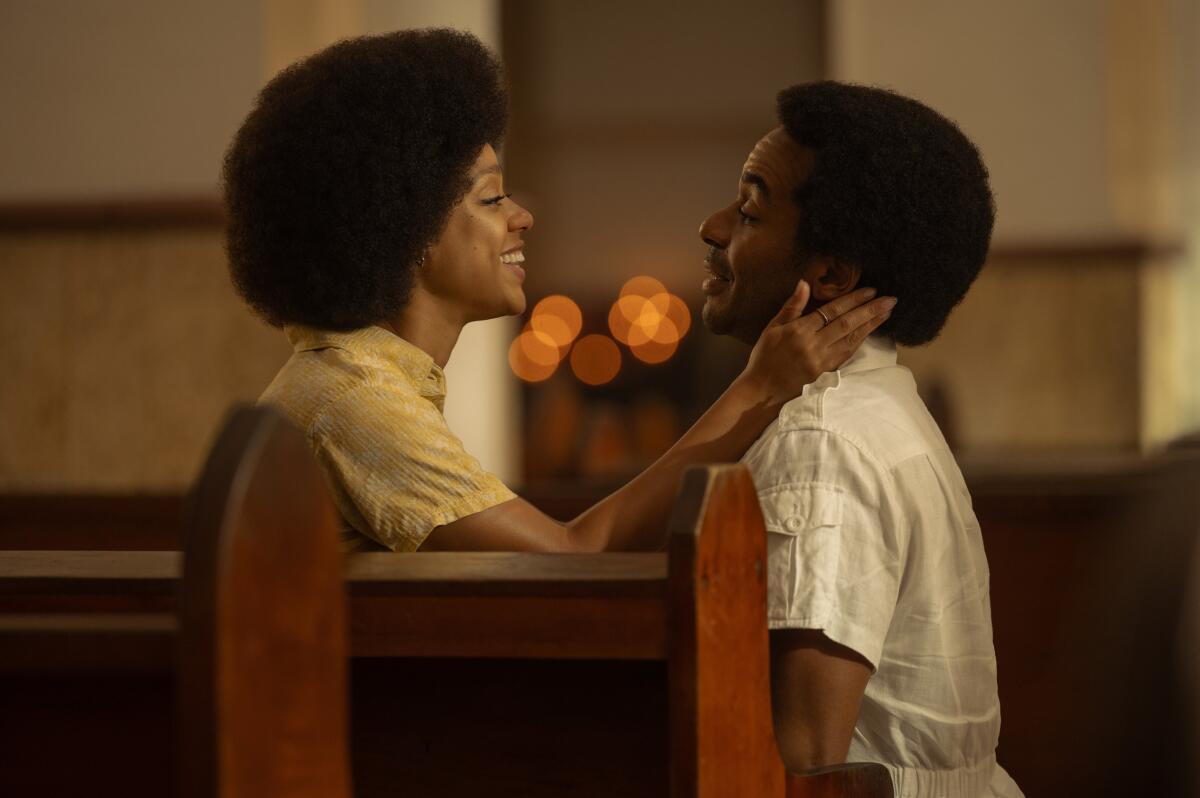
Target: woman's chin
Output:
{"points": [[516, 303]]}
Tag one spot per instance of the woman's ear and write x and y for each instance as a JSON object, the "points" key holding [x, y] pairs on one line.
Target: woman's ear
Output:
{"points": [[831, 278]]}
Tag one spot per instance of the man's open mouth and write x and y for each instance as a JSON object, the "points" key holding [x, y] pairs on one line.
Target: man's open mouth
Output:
{"points": [[716, 266], [720, 275]]}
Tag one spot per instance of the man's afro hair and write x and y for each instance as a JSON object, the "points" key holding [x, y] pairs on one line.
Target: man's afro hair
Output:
{"points": [[897, 190]]}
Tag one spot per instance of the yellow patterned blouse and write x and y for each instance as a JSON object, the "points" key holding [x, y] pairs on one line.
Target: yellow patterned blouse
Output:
{"points": [[370, 404]]}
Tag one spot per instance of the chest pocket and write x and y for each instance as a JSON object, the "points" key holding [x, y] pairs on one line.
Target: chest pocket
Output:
{"points": [[804, 548], [791, 509]]}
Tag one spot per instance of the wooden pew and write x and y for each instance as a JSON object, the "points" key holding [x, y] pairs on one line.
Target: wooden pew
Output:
{"points": [[257, 651], [531, 675], [1094, 571], [262, 611], [72, 522]]}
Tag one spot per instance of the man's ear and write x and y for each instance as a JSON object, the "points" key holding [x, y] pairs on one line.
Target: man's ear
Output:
{"points": [[831, 278]]}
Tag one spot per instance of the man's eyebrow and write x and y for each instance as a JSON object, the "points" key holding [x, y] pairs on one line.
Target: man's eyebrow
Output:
{"points": [[756, 180], [493, 169]]}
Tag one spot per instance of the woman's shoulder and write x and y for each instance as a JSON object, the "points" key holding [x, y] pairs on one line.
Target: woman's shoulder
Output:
{"points": [[314, 384]]}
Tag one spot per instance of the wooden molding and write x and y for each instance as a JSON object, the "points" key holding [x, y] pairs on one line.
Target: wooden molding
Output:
{"points": [[134, 213], [1133, 250]]}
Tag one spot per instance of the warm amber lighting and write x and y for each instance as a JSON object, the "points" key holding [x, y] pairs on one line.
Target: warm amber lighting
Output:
{"points": [[643, 286], [538, 347], [649, 320], [533, 356], [679, 315], [622, 316], [552, 330], [654, 352], [559, 317], [653, 326], [595, 359]]}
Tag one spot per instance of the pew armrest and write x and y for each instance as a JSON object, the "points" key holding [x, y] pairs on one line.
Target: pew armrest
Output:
{"points": [[851, 780]]}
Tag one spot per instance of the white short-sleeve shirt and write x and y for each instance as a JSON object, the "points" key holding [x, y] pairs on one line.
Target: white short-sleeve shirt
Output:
{"points": [[872, 539]]}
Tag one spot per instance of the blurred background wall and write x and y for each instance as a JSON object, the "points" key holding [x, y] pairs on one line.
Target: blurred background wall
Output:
{"points": [[121, 342]]}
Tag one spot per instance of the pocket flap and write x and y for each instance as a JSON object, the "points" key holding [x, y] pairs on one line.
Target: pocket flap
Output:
{"points": [[791, 509]]}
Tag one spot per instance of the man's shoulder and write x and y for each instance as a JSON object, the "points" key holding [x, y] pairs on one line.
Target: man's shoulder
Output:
{"points": [[877, 412]]}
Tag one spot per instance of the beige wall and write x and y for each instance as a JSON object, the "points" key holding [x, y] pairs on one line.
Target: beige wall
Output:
{"points": [[120, 353], [1043, 353], [128, 97]]}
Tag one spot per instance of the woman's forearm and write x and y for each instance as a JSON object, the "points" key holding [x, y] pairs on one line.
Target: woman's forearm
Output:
{"points": [[636, 516]]}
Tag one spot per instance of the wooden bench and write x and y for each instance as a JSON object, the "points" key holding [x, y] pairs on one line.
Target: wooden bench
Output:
{"points": [[514, 674], [1095, 568]]}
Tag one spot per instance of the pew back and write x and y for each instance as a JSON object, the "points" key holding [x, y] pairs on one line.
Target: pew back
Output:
{"points": [[262, 657], [1090, 569]]}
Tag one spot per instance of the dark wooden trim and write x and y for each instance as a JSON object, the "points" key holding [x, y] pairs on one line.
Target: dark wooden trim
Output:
{"points": [[623, 575], [509, 627], [87, 573], [1134, 251], [596, 606], [84, 643], [133, 213]]}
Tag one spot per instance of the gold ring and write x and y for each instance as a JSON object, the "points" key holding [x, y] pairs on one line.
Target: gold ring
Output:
{"points": [[824, 318]]}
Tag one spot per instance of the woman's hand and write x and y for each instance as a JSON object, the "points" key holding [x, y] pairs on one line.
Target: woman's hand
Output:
{"points": [[794, 350]]}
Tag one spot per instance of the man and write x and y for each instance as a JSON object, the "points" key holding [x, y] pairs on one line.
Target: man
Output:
{"points": [[881, 641]]}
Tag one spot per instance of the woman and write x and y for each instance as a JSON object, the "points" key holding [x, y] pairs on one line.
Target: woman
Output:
{"points": [[369, 219]]}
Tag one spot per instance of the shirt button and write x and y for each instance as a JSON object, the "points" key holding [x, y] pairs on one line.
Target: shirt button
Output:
{"points": [[793, 524]]}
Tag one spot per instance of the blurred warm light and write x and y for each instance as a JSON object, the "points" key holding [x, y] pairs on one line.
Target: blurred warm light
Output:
{"points": [[552, 330], [653, 352], [595, 359], [643, 286], [533, 356], [624, 313], [649, 320], [559, 317], [678, 314], [538, 347], [646, 317]]}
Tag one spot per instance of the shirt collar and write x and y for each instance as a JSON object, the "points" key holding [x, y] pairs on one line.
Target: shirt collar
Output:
{"points": [[875, 353], [375, 343]]}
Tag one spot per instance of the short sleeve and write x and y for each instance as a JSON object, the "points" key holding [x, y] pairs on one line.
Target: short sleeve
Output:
{"points": [[834, 556], [396, 469]]}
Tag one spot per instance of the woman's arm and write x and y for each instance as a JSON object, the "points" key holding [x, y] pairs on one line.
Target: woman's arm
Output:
{"points": [[791, 353]]}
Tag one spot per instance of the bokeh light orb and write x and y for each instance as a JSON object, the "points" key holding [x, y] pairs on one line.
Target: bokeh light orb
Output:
{"points": [[533, 356], [649, 320], [595, 359], [559, 317], [643, 286], [653, 352]]}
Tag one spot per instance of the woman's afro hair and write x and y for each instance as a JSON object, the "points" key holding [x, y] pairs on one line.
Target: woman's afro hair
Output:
{"points": [[896, 189], [347, 169]]}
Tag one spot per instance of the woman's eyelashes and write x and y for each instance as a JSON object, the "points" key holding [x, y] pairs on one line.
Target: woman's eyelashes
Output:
{"points": [[496, 200]]}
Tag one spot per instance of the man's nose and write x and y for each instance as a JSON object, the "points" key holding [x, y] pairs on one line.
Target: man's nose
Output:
{"points": [[714, 231]]}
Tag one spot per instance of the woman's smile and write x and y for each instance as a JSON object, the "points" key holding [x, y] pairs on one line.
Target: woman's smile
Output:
{"points": [[513, 260]]}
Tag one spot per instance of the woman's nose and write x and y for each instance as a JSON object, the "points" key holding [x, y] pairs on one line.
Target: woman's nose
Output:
{"points": [[521, 218]]}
